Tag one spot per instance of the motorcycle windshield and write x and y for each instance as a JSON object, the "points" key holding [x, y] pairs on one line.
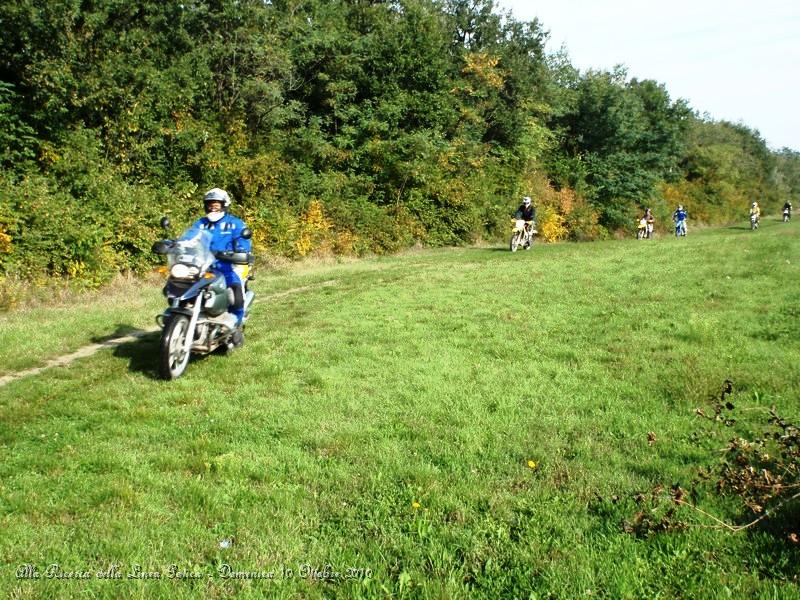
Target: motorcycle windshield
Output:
{"points": [[193, 248]]}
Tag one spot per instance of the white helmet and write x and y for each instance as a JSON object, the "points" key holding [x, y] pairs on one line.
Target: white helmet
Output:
{"points": [[755, 203], [526, 200], [217, 195]]}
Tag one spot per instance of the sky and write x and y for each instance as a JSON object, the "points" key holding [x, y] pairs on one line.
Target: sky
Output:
{"points": [[733, 60]]}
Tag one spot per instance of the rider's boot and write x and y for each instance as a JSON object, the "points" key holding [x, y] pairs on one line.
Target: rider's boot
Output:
{"points": [[237, 337]]}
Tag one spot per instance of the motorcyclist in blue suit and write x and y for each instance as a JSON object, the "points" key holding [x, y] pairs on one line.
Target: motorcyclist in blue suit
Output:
{"points": [[679, 218], [226, 231]]}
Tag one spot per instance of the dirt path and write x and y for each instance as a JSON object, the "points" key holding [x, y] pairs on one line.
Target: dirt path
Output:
{"points": [[91, 349], [62, 361]]}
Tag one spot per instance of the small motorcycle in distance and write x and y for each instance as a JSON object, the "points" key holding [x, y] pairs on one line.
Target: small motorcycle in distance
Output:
{"points": [[197, 320], [641, 229], [523, 235]]}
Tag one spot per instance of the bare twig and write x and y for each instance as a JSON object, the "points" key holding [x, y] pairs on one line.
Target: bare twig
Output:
{"points": [[737, 528]]}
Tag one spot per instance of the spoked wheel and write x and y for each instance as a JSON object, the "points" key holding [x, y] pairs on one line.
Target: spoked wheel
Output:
{"points": [[173, 359], [515, 240]]}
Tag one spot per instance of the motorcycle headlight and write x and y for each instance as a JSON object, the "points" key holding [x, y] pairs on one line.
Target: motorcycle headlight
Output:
{"points": [[181, 271]]}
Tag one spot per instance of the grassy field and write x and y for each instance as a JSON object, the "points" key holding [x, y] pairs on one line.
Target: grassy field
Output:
{"points": [[440, 424]]}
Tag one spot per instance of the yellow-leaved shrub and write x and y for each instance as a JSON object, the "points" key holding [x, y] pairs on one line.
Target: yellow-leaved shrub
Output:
{"points": [[551, 226], [5, 242], [315, 233]]}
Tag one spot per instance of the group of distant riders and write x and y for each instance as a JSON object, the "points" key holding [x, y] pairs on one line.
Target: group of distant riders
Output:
{"points": [[646, 224], [755, 214]]}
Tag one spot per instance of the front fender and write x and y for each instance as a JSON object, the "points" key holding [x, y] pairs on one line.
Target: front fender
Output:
{"points": [[163, 318], [196, 289]]}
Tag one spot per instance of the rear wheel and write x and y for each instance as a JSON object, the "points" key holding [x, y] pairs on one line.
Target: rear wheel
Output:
{"points": [[173, 358]]}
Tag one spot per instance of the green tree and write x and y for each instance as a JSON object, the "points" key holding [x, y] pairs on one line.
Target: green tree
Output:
{"points": [[627, 135], [727, 166]]}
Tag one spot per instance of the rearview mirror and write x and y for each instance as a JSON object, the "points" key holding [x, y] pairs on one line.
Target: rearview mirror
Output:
{"points": [[247, 233], [165, 222]]}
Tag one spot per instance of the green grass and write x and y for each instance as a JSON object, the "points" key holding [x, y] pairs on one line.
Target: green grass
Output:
{"points": [[385, 422]]}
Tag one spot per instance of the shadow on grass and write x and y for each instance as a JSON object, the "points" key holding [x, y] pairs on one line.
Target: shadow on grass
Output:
{"points": [[776, 554], [142, 352], [494, 249]]}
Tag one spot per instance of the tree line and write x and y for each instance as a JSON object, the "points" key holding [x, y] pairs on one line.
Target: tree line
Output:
{"points": [[338, 126]]}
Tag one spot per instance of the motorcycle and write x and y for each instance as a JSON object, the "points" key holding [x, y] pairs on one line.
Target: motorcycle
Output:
{"points": [[786, 215], [197, 320], [680, 228], [641, 229], [523, 235], [753, 222]]}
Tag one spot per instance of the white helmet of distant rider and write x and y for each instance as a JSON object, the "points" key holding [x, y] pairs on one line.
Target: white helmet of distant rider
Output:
{"points": [[216, 203]]}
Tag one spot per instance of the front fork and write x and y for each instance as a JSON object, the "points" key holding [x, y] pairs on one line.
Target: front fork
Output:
{"points": [[198, 305]]}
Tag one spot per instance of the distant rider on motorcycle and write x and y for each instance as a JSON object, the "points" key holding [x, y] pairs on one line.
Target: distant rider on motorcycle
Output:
{"points": [[787, 209], [755, 214], [226, 233], [679, 217], [647, 223], [651, 223], [527, 213]]}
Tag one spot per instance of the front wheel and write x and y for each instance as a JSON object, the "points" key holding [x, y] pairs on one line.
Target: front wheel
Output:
{"points": [[515, 240], [173, 359], [528, 240]]}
